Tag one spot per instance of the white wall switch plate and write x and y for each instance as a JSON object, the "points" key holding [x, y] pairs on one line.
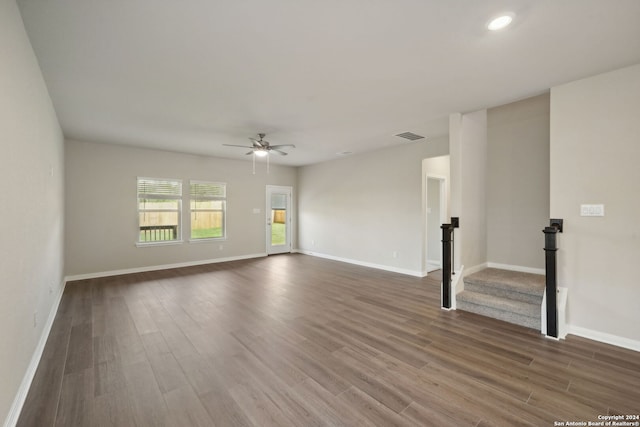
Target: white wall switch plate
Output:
{"points": [[591, 210]]}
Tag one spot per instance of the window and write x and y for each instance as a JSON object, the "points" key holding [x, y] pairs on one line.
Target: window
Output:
{"points": [[208, 210], [159, 204]]}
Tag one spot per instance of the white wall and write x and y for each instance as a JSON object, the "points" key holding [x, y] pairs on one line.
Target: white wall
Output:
{"points": [[434, 246], [365, 207], [31, 184], [468, 147], [101, 206], [518, 182], [595, 158]]}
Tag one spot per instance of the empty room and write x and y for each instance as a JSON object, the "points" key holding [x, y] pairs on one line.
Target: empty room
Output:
{"points": [[360, 213]]}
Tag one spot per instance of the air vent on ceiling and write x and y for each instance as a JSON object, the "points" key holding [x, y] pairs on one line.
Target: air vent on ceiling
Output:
{"points": [[410, 136]]}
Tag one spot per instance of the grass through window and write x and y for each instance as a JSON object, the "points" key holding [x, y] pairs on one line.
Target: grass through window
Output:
{"points": [[206, 233], [278, 234]]}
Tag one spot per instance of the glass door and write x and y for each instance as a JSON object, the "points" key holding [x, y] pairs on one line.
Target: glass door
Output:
{"points": [[278, 219]]}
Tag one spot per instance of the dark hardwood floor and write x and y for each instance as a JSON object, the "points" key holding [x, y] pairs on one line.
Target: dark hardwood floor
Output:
{"points": [[292, 340]]}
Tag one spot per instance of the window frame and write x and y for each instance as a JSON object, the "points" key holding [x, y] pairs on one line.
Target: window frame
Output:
{"points": [[178, 198], [213, 198]]}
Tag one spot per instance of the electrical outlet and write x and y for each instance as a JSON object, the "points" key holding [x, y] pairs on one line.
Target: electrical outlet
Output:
{"points": [[35, 319], [394, 254]]}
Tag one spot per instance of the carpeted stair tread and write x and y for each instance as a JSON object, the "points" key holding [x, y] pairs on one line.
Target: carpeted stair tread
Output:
{"points": [[511, 296], [526, 287], [526, 309], [517, 312]]}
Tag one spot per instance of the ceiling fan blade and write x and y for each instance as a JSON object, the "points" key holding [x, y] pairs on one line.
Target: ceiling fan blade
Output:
{"points": [[250, 152], [257, 142], [282, 153], [233, 145], [283, 145]]}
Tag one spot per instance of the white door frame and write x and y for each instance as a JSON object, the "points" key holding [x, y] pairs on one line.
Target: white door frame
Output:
{"points": [[278, 189], [443, 213]]}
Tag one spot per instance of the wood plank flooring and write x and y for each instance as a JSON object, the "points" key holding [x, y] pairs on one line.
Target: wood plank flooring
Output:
{"points": [[293, 340]]}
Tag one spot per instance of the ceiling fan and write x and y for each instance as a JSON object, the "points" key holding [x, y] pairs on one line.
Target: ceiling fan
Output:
{"points": [[262, 148]]}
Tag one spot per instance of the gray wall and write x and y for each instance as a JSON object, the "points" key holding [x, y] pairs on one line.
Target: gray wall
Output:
{"points": [[101, 207], [31, 184], [366, 207], [468, 147], [518, 182], [595, 154]]}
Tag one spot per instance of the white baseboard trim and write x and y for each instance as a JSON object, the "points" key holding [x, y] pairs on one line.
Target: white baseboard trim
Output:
{"points": [[457, 281], [160, 267], [519, 268], [432, 265], [365, 264], [474, 269], [23, 390], [604, 337], [457, 286], [510, 267]]}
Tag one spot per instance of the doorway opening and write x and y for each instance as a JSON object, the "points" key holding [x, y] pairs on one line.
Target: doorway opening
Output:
{"points": [[278, 212], [436, 210]]}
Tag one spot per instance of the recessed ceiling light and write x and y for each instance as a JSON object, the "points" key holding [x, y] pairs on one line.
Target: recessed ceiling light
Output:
{"points": [[344, 153], [500, 22]]}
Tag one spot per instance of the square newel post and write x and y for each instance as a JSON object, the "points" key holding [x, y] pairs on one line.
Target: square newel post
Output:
{"points": [[551, 281], [447, 231]]}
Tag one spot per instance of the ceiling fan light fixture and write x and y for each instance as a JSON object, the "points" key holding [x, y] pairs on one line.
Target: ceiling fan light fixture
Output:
{"points": [[500, 22], [262, 148]]}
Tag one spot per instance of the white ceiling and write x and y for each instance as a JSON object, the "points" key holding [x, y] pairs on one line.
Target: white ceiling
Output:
{"points": [[328, 76]]}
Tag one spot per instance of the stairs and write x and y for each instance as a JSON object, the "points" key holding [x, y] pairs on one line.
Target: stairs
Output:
{"points": [[511, 296]]}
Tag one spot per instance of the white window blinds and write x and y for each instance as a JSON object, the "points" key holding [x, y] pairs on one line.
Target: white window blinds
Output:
{"points": [[159, 188]]}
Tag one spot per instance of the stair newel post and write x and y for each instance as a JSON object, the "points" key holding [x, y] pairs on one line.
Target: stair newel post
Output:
{"points": [[447, 231], [455, 223], [550, 250], [453, 254]]}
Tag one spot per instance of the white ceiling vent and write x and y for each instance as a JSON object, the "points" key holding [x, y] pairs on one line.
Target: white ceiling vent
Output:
{"points": [[410, 136]]}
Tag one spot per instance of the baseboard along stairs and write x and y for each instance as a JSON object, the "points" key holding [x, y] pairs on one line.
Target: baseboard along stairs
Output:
{"points": [[512, 296]]}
